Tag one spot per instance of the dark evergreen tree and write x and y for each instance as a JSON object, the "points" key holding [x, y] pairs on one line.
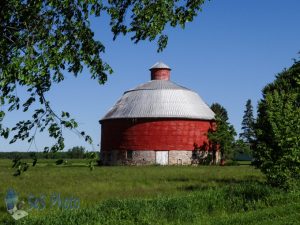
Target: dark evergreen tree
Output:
{"points": [[220, 111], [248, 133]]}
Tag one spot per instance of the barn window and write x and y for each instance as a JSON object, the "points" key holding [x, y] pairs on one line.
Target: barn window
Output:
{"points": [[109, 156], [105, 156], [129, 154]]}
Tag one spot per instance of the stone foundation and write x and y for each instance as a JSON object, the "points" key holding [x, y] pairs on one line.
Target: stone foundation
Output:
{"points": [[175, 157], [180, 157]]}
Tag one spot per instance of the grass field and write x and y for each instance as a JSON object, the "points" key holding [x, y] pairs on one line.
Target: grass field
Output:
{"points": [[149, 195]]}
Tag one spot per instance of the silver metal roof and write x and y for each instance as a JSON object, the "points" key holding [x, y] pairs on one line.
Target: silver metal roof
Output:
{"points": [[160, 65], [160, 99]]}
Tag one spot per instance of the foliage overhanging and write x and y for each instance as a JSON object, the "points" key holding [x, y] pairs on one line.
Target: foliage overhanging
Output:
{"points": [[41, 40]]}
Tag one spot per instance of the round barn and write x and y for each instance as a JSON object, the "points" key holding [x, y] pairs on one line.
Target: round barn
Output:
{"points": [[158, 122]]}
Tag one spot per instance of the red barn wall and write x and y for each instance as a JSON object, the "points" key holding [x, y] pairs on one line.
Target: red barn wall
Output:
{"points": [[153, 134]]}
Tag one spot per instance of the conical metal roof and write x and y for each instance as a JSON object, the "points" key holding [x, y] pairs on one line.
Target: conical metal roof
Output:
{"points": [[160, 65], [160, 99]]}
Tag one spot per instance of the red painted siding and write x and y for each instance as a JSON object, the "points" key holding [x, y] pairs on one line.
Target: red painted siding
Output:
{"points": [[153, 134]]}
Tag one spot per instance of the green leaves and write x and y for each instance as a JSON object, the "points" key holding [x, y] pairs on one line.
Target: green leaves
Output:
{"points": [[92, 157], [223, 136], [59, 162], [162, 42], [40, 41], [19, 166], [277, 151], [147, 19], [34, 162]]}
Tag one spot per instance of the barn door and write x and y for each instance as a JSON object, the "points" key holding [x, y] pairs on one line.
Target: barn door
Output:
{"points": [[162, 157]]}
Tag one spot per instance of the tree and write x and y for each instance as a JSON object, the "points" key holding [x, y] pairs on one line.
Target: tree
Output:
{"points": [[223, 136], [277, 148], [248, 133], [241, 148], [77, 152], [41, 39], [220, 111]]}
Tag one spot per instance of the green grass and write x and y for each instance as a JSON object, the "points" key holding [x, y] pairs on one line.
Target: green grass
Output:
{"points": [[151, 195]]}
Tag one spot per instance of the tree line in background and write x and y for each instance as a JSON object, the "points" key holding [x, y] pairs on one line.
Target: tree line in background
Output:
{"points": [[77, 152], [273, 138]]}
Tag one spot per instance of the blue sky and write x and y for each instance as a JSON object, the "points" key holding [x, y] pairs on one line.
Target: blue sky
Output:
{"points": [[227, 55]]}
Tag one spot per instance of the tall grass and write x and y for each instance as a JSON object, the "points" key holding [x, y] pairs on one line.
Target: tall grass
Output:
{"points": [[154, 195], [120, 182], [228, 205]]}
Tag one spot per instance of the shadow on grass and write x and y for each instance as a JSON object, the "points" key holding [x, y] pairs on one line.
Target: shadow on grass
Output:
{"points": [[196, 187], [245, 180], [3, 208], [239, 195], [178, 179], [225, 183]]}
